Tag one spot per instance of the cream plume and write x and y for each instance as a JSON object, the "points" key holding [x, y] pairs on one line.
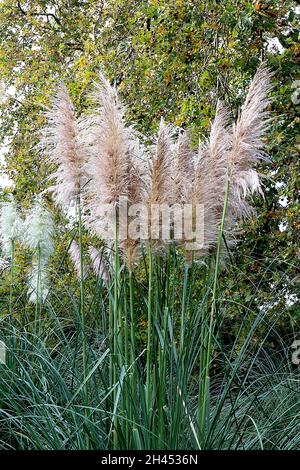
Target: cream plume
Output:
{"points": [[161, 186], [113, 166], [184, 167], [247, 150], [39, 230], [111, 145], [232, 154], [99, 264], [136, 194], [61, 143], [208, 188], [74, 252], [248, 132], [11, 226], [38, 236]]}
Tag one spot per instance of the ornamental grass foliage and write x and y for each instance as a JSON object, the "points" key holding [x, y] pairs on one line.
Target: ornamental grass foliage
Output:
{"points": [[137, 360]]}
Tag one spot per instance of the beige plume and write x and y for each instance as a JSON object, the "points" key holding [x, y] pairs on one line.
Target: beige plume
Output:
{"points": [[74, 252], [248, 133], [99, 264], [184, 167], [61, 143]]}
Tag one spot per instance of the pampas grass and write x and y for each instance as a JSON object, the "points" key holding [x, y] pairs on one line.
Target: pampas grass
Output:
{"points": [[10, 227], [110, 149], [230, 154], [74, 252], [248, 133], [161, 189], [99, 264], [39, 231], [184, 167], [145, 380], [106, 148], [211, 172], [63, 148]]}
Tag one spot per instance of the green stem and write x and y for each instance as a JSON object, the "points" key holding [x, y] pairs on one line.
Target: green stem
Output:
{"points": [[38, 288], [82, 314], [126, 384], [111, 335], [162, 364], [11, 280], [116, 326], [149, 332], [183, 307], [115, 310], [132, 319], [204, 394], [133, 345], [126, 326]]}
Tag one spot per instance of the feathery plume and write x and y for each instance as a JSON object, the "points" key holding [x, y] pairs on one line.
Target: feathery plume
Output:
{"points": [[74, 252], [232, 154], [248, 132], [39, 230], [61, 143], [136, 194], [161, 187], [99, 265], [10, 226], [111, 145], [114, 149], [38, 283], [208, 187], [184, 167], [247, 150]]}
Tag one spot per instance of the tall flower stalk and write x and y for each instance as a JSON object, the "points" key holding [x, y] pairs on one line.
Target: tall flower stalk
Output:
{"points": [[10, 231], [241, 148], [39, 231], [111, 151], [64, 147], [160, 191]]}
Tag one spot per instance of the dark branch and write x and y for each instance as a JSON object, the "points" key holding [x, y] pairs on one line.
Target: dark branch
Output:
{"points": [[21, 9], [52, 15]]}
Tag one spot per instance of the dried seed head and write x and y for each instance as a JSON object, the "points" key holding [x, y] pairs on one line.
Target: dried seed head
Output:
{"points": [[62, 145], [74, 252], [11, 226], [99, 264]]}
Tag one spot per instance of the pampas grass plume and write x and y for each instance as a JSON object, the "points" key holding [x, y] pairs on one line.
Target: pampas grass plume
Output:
{"points": [[39, 237], [99, 264], [62, 145], [74, 252], [10, 226]]}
